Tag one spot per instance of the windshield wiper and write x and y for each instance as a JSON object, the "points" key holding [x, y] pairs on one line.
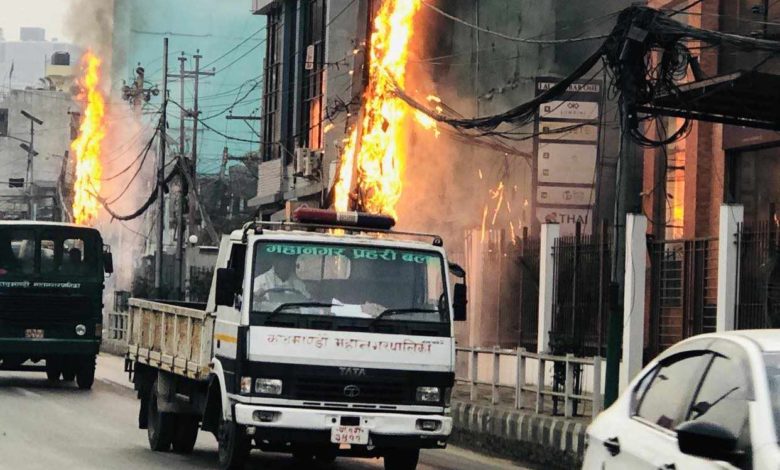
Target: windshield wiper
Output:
{"points": [[285, 306], [397, 311]]}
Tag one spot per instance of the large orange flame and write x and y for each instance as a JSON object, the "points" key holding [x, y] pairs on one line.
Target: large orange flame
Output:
{"points": [[373, 159], [87, 146]]}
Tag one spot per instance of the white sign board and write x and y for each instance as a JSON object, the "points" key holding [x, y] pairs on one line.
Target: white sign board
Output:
{"points": [[565, 131], [566, 218], [566, 163], [564, 195], [584, 110]]}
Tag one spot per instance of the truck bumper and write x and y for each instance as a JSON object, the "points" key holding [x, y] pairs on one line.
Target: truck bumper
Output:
{"points": [[298, 425], [48, 346]]}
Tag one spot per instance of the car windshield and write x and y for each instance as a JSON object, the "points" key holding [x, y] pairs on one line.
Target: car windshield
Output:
{"points": [[349, 281], [772, 361]]}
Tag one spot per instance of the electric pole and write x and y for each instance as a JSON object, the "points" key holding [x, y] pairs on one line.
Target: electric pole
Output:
{"points": [[158, 259], [31, 153], [186, 204], [181, 227], [195, 119]]}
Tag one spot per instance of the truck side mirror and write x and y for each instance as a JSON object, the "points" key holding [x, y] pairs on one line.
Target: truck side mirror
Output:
{"points": [[108, 262], [226, 286], [459, 302]]}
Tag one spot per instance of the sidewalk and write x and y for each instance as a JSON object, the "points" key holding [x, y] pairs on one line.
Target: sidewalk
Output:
{"points": [[111, 369], [544, 439]]}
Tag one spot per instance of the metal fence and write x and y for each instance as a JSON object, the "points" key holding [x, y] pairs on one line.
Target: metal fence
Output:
{"points": [[528, 259], [683, 290], [581, 300], [758, 286], [117, 318], [533, 393]]}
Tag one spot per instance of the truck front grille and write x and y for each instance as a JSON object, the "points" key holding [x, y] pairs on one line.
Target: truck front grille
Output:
{"points": [[344, 390]]}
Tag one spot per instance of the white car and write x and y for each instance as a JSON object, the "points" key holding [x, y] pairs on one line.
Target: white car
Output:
{"points": [[709, 402]]}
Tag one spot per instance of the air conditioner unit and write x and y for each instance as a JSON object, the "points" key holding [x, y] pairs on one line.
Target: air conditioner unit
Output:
{"points": [[307, 162]]}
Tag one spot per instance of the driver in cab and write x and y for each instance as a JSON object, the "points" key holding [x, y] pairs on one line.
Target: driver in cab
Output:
{"points": [[280, 279]]}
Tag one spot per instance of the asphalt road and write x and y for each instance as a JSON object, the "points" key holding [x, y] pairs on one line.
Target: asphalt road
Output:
{"points": [[46, 426]]}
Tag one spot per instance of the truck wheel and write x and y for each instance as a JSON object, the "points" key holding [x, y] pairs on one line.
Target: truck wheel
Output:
{"points": [[402, 459], [53, 369], [187, 427], [234, 445], [161, 426], [85, 376]]}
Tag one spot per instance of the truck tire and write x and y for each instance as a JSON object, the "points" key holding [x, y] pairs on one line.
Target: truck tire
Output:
{"points": [[187, 427], [69, 366], [161, 426], [53, 369], [85, 376], [234, 445], [402, 459]]}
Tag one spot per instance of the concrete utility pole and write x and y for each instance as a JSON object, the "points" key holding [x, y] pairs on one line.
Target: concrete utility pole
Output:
{"points": [[181, 228], [31, 153], [186, 183], [195, 118], [158, 259]]}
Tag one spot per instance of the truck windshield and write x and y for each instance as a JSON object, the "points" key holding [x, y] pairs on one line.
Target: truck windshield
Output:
{"points": [[349, 281], [49, 252], [772, 361]]}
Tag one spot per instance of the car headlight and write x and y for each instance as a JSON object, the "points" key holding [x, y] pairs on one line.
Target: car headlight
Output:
{"points": [[428, 394], [246, 385], [268, 386]]}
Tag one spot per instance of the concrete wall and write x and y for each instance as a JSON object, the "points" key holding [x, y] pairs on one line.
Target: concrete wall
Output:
{"points": [[52, 139]]}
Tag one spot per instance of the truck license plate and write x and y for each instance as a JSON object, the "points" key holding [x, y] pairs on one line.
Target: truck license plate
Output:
{"points": [[33, 333], [349, 435]]}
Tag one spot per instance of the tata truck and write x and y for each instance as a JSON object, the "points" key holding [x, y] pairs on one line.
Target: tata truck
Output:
{"points": [[51, 298], [330, 335]]}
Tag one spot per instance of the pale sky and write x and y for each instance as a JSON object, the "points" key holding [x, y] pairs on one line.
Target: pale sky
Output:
{"points": [[48, 14]]}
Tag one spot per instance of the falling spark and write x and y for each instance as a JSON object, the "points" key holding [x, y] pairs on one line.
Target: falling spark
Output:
{"points": [[328, 127], [87, 146], [480, 174], [500, 192], [512, 230], [484, 221], [508, 207], [375, 153], [434, 98]]}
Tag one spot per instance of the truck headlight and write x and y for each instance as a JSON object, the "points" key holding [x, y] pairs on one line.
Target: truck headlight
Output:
{"points": [[81, 330], [246, 385], [268, 386], [428, 394]]}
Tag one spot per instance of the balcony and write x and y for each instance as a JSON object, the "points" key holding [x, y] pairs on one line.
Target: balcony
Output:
{"points": [[262, 7]]}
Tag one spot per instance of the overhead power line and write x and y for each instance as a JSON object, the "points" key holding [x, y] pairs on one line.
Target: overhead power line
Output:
{"points": [[508, 37]]}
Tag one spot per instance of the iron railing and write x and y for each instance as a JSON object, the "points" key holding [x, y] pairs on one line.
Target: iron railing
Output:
{"points": [[539, 387], [758, 284], [580, 293], [683, 290], [527, 257]]}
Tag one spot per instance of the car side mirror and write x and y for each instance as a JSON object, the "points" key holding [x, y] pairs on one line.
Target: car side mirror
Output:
{"points": [[459, 302], [108, 262], [708, 440], [226, 287]]}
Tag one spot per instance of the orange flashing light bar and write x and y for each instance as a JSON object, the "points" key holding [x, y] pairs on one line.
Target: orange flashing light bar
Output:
{"points": [[345, 219]]}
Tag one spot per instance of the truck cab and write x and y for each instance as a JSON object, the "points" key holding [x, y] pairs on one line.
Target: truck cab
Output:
{"points": [[327, 340], [51, 298]]}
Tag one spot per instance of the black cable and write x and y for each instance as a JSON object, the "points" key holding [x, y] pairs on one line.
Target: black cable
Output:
{"points": [[150, 200]]}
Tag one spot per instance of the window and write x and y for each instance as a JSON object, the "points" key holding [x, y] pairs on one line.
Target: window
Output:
{"points": [[772, 362], [17, 252], [666, 401], [272, 93], [723, 395], [3, 122], [675, 181], [313, 60]]}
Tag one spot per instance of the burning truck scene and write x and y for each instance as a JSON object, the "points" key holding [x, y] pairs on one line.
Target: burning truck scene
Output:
{"points": [[389, 234]]}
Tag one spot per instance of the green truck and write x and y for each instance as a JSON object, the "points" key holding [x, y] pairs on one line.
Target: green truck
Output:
{"points": [[51, 298]]}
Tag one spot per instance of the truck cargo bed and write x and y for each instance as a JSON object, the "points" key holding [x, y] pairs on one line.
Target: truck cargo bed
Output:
{"points": [[170, 337]]}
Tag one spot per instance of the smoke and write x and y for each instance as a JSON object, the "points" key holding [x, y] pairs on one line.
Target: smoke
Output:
{"points": [[127, 175]]}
